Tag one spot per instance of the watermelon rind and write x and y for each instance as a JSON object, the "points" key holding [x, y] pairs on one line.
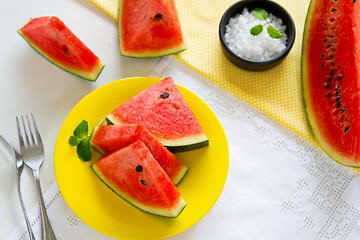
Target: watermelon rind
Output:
{"points": [[145, 54], [187, 143], [91, 76], [309, 108]]}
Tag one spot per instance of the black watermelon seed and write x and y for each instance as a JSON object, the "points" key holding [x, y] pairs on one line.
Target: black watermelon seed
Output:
{"points": [[158, 16], [143, 182], [65, 49], [347, 129], [337, 98], [328, 95], [326, 86], [342, 110], [139, 168], [332, 35], [323, 64], [333, 63], [331, 56], [164, 95], [322, 55], [339, 78], [338, 104], [333, 72], [333, 10], [325, 40], [338, 92], [329, 79]]}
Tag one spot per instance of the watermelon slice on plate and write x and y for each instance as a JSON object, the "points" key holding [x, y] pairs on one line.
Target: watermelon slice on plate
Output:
{"points": [[134, 174], [108, 138], [149, 28], [52, 39], [164, 112]]}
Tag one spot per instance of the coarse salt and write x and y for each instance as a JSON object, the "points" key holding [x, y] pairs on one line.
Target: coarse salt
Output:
{"points": [[257, 48]]}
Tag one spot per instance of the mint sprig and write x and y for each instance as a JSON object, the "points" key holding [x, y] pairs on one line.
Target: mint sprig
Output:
{"points": [[81, 140], [256, 30]]}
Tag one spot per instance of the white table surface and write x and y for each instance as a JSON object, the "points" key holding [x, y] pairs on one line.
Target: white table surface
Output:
{"points": [[278, 186]]}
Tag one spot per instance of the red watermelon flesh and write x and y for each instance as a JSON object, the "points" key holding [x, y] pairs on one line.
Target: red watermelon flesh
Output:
{"points": [[331, 77], [164, 112], [51, 38], [134, 174], [108, 138], [149, 28]]}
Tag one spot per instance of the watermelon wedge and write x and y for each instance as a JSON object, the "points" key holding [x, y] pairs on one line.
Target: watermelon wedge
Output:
{"points": [[331, 77], [52, 39], [164, 112], [108, 138], [149, 28], [134, 174]]}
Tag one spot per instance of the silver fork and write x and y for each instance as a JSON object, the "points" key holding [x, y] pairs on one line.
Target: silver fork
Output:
{"points": [[32, 151], [19, 163]]}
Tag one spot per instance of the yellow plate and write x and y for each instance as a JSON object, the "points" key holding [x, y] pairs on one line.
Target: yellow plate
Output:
{"points": [[100, 208]]}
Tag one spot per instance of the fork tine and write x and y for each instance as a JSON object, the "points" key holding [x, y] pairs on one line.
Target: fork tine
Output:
{"points": [[26, 137], [21, 138], [31, 135], [37, 133]]}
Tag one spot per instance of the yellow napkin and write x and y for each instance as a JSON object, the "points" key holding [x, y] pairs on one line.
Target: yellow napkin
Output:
{"points": [[276, 92]]}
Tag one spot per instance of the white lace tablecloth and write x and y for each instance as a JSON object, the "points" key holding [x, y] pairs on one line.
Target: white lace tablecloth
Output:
{"points": [[278, 186]]}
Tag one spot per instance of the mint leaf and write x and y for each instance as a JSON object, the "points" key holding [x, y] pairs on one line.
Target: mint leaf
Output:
{"points": [[260, 13], [84, 150], [81, 130], [256, 30], [81, 140], [273, 32], [74, 141]]}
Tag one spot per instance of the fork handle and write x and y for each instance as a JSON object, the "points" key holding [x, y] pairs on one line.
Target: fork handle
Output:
{"points": [[47, 232], [30, 232]]}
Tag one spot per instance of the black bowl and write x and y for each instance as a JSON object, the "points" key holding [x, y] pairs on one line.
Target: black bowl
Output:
{"points": [[270, 7]]}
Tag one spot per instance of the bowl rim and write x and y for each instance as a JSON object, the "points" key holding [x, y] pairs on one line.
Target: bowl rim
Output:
{"points": [[243, 4]]}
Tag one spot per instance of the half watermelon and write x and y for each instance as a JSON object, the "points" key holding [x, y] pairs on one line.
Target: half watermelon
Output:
{"points": [[51, 38], [108, 138], [164, 112], [149, 28], [134, 174], [331, 77]]}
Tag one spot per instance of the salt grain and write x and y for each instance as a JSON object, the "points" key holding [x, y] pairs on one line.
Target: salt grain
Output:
{"points": [[257, 48]]}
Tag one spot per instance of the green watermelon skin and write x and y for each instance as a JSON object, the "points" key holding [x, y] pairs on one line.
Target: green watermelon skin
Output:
{"points": [[149, 29], [164, 112], [331, 77], [108, 138], [133, 174], [52, 39]]}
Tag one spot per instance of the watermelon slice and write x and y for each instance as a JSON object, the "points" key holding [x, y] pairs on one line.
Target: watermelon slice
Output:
{"points": [[164, 112], [149, 28], [51, 38], [108, 138], [134, 174], [331, 77]]}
